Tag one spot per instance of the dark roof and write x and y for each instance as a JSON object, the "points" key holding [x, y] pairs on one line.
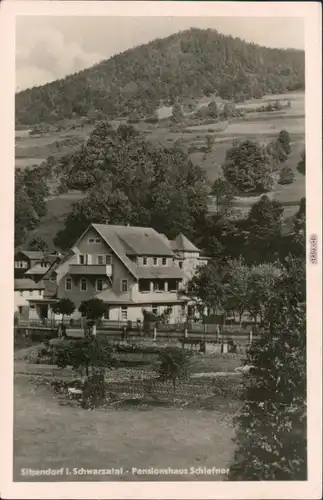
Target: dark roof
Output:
{"points": [[28, 284], [181, 243]]}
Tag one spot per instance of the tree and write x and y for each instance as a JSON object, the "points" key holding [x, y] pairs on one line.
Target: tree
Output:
{"points": [[38, 243], [177, 113], [129, 180], [93, 309], [264, 230], [247, 167], [25, 216], [150, 320], [224, 194], [284, 139], [298, 233], [277, 153], [174, 365], [229, 110], [213, 109], [271, 436], [206, 288], [286, 176], [34, 180], [237, 287], [209, 142], [89, 356], [301, 166], [221, 238], [101, 204], [262, 282], [64, 306]]}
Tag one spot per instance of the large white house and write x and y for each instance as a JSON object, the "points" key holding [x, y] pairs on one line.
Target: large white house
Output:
{"points": [[130, 269]]}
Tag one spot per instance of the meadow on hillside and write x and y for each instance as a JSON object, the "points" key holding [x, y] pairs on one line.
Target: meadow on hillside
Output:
{"points": [[257, 126]]}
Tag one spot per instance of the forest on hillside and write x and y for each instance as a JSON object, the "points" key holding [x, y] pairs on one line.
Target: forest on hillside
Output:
{"points": [[186, 65]]}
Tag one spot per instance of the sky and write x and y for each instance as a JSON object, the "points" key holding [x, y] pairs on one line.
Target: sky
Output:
{"points": [[48, 48]]}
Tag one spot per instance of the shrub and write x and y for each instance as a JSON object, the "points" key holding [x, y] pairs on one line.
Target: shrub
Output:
{"points": [[174, 364], [286, 176]]}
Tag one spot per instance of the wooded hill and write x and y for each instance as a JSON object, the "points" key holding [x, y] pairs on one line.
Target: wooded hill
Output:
{"points": [[186, 65]]}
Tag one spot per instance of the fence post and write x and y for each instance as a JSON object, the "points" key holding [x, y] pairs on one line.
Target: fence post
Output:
{"points": [[250, 337], [155, 334]]}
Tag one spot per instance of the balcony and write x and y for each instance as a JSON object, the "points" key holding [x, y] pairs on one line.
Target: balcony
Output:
{"points": [[90, 269]]}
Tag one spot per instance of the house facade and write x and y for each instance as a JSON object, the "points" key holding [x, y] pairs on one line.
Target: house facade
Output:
{"points": [[29, 299], [33, 264], [130, 269]]}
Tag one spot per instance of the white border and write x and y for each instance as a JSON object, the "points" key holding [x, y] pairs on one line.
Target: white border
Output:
{"points": [[311, 12]]}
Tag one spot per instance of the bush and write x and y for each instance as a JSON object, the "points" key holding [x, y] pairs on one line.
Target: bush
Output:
{"points": [[286, 176]]}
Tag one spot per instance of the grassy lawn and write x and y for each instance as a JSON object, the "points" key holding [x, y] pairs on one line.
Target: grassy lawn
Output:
{"points": [[49, 435]]}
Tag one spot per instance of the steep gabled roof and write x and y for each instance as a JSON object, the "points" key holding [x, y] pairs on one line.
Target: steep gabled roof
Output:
{"points": [[129, 240], [183, 244]]}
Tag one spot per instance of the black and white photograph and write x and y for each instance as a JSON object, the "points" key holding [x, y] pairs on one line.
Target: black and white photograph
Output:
{"points": [[162, 254]]}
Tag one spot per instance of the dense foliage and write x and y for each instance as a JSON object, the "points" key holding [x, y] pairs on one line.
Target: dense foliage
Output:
{"points": [[271, 435], [37, 244], [174, 365], [286, 176], [131, 181], [247, 167], [31, 191], [301, 166], [64, 306], [184, 65]]}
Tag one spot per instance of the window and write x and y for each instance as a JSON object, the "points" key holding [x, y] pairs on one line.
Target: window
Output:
{"points": [[144, 286], [144, 261], [159, 286], [100, 259], [173, 285], [106, 314], [97, 240], [82, 259], [155, 261], [83, 285], [155, 310], [91, 240], [180, 264], [124, 312], [32, 306], [108, 260], [99, 285], [20, 264], [164, 261], [68, 284], [124, 285], [40, 292]]}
